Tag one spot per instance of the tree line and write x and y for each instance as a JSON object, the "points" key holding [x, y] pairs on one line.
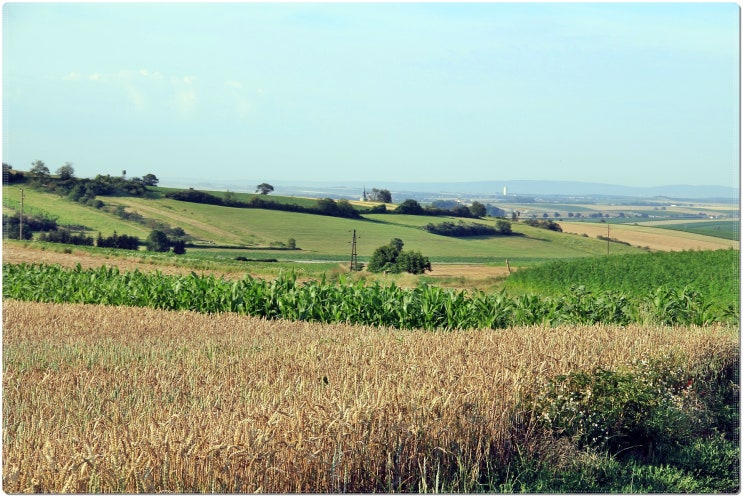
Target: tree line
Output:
{"points": [[325, 206]]}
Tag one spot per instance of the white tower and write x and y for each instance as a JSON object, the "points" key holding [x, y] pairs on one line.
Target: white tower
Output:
{"points": [[505, 191]]}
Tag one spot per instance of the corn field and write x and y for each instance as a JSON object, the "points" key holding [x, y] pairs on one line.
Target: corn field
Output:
{"points": [[424, 307], [122, 399]]}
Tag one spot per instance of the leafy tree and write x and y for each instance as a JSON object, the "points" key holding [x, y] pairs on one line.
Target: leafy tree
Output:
{"points": [[409, 206], [478, 210], [38, 168], [503, 227], [382, 195], [393, 259], [413, 262], [179, 247], [66, 171], [327, 206], [157, 241], [150, 180], [264, 189], [384, 258]]}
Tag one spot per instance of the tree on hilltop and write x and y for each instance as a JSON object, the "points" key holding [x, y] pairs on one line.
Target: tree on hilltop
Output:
{"points": [[66, 171], [264, 189], [38, 168]]}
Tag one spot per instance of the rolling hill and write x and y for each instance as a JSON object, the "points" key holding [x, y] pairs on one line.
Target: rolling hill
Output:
{"points": [[228, 231]]}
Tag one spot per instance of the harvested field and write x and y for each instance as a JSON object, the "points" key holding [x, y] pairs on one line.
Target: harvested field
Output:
{"points": [[138, 400], [654, 238], [13, 254]]}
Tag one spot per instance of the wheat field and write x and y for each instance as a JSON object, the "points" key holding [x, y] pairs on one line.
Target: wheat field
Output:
{"points": [[121, 400]]}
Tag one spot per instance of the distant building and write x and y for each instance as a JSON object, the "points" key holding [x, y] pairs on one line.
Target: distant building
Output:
{"points": [[363, 196], [505, 191]]}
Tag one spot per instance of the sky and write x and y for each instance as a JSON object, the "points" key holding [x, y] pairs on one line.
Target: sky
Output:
{"points": [[636, 94]]}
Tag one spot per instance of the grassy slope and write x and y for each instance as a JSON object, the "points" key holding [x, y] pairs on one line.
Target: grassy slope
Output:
{"points": [[319, 237]]}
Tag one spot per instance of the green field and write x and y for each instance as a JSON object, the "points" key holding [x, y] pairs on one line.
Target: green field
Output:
{"points": [[714, 273], [729, 230], [254, 231]]}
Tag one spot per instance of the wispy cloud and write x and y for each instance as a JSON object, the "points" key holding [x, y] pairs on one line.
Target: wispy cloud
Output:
{"points": [[184, 99], [145, 89]]}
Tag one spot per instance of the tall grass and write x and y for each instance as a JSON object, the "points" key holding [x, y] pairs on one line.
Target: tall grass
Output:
{"points": [[123, 400]]}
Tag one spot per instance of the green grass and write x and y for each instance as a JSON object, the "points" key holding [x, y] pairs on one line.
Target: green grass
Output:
{"points": [[70, 213], [318, 237]]}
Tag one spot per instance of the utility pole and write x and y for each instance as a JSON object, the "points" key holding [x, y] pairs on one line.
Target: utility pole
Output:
{"points": [[20, 223], [354, 257], [608, 238]]}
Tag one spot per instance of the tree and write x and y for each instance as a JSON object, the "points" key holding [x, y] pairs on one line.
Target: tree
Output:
{"points": [[409, 206], [327, 206], [478, 210], [377, 195], [503, 227], [150, 180], [413, 262], [264, 189], [391, 258], [157, 241], [179, 247], [384, 259], [66, 171], [38, 168]]}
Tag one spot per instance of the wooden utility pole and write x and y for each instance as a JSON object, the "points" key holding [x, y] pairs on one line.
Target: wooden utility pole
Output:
{"points": [[608, 238], [20, 222]]}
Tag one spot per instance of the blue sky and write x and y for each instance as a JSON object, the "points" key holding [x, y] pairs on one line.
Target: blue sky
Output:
{"points": [[628, 93]]}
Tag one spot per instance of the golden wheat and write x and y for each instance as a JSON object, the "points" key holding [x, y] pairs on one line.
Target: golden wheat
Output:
{"points": [[107, 399]]}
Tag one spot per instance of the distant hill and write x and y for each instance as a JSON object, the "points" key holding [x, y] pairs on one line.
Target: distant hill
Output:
{"points": [[399, 190]]}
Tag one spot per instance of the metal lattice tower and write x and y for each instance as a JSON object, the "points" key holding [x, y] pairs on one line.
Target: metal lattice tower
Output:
{"points": [[354, 256]]}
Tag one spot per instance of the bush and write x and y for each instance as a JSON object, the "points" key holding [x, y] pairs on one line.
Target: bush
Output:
{"points": [[460, 229], [125, 242], [641, 409], [544, 223], [65, 236]]}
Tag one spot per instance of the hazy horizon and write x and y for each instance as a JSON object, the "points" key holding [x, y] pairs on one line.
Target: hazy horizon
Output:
{"points": [[629, 94]]}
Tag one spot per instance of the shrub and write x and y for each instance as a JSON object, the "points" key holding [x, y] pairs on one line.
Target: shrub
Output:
{"points": [[639, 409], [125, 242], [65, 236]]}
